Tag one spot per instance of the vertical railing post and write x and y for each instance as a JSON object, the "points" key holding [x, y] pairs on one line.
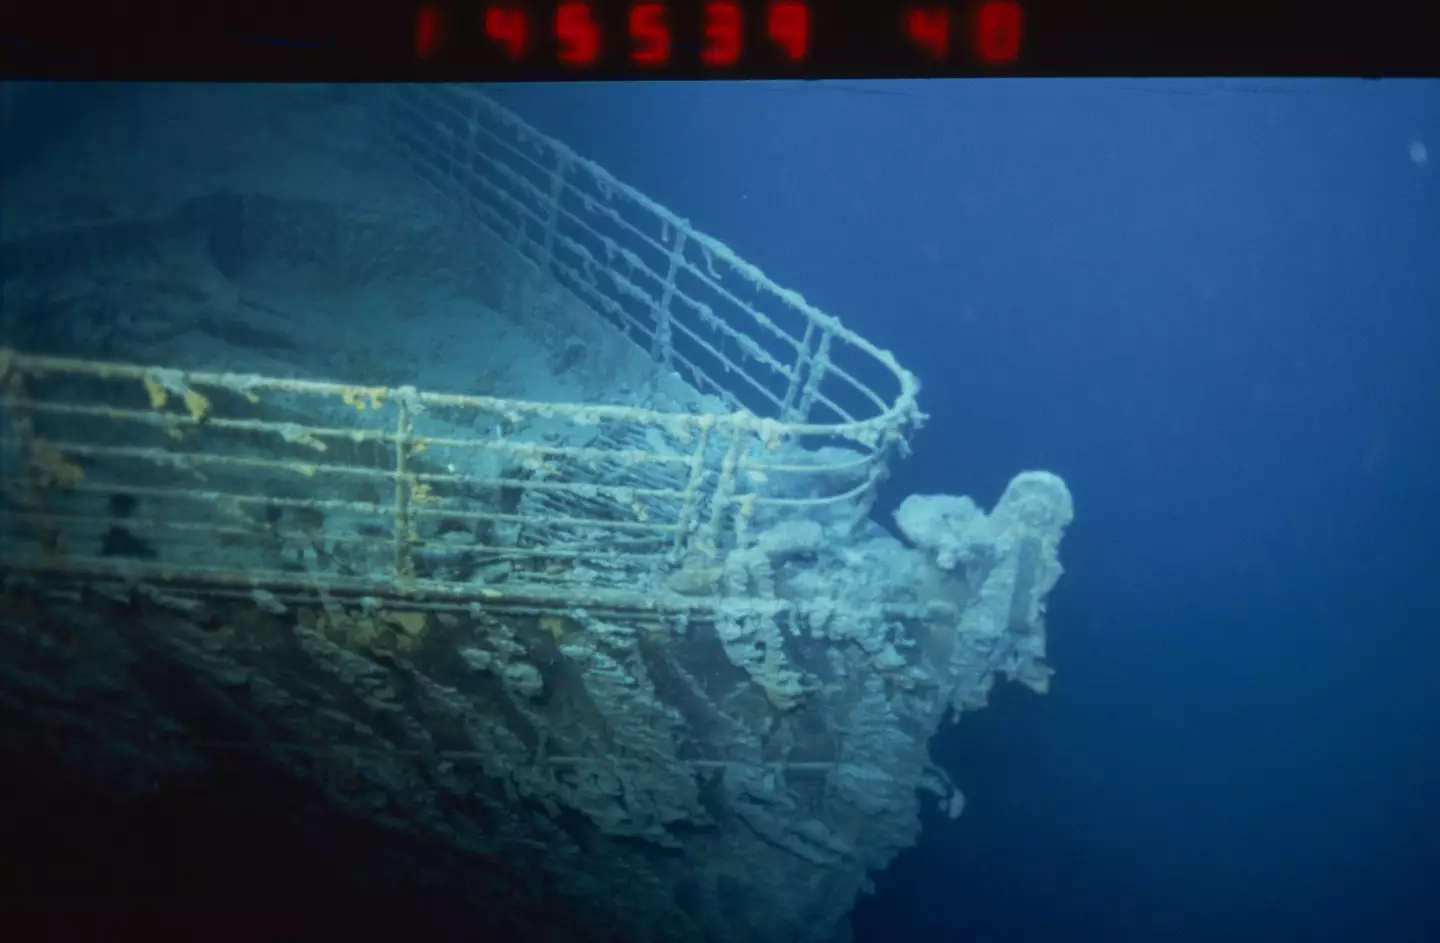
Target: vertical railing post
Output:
{"points": [[472, 163], [684, 523], [802, 359], [557, 190], [22, 422], [723, 495], [661, 349], [818, 367], [404, 430]]}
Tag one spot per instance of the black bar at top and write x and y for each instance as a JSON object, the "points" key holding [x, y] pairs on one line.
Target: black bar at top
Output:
{"points": [[374, 40]]}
